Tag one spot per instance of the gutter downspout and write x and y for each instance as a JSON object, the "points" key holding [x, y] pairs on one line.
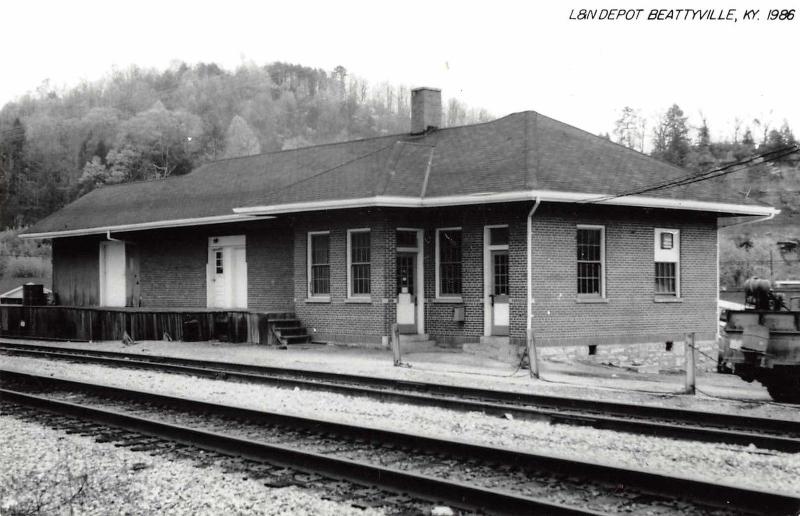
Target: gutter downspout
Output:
{"points": [[109, 237], [530, 263], [534, 366]]}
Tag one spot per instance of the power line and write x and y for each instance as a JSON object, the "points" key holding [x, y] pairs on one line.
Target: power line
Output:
{"points": [[703, 176], [335, 167]]}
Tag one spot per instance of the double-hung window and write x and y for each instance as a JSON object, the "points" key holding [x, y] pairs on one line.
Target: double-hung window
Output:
{"points": [[591, 261], [358, 266], [319, 269], [666, 255], [448, 262]]}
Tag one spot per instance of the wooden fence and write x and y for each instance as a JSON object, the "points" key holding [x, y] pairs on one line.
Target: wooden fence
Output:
{"points": [[94, 324]]}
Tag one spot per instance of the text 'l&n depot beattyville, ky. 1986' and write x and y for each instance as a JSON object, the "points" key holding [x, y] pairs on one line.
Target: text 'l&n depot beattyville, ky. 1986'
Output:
{"points": [[711, 15]]}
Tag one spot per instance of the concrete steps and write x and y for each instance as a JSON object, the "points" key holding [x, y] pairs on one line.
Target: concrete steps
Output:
{"points": [[288, 330], [417, 343], [495, 348]]}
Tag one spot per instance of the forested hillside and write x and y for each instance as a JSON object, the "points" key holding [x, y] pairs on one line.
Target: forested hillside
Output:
{"points": [[767, 249], [142, 124]]}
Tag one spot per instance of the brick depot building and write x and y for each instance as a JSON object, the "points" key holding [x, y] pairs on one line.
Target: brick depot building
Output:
{"points": [[440, 231]]}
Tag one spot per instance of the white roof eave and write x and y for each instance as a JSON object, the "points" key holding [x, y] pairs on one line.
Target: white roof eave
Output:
{"points": [[247, 213]]}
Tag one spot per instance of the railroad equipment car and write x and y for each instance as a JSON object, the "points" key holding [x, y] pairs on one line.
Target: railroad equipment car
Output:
{"points": [[762, 342]]}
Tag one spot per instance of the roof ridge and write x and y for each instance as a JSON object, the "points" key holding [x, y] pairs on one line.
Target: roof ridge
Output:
{"points": [[389, 166], [638, 154], [526, 147], [399, 138], [392, 135], [532, 146], [333, 168], [327, 144]]}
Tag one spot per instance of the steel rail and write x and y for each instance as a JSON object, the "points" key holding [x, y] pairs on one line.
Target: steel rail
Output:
{"points": [[661, 421], [457, 494], [722, 495]]}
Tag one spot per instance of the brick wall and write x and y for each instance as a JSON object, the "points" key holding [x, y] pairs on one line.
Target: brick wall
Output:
{"points": [[439, 322], [630, 312], [173, 273], [172, 268], [341, 319], [270, 267], [173, 265]]}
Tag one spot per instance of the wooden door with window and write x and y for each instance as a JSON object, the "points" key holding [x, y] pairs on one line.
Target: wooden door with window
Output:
{"points": [[218, 266], [499, 292], [406, 292]]}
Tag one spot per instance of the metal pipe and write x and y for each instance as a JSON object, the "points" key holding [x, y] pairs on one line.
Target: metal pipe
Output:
{"points": [[530, 341], [530, 264], [109, 237]]}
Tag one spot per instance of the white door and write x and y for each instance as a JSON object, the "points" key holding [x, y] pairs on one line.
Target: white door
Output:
{"points": [[112, 274], [218, 287], [227, 272]]}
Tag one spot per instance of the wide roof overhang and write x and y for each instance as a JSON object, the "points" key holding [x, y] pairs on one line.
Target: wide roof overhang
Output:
{"points": [[249, 213]]}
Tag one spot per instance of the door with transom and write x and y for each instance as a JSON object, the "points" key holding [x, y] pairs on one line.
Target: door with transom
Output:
{"points": [[406, 292], [497, 308]]}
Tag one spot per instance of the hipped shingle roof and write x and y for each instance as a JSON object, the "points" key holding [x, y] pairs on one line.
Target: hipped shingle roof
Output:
{"points": [[522, 151]]}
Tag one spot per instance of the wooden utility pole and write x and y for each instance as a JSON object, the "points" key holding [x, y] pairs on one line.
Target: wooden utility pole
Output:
{"points": [[689, 354], [533, 361], [395, 342]]}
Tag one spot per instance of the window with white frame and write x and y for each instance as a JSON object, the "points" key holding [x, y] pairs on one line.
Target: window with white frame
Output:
{"points": [[319, 270], [448, 262], [590, 244], [358, 257], [666, 255]]}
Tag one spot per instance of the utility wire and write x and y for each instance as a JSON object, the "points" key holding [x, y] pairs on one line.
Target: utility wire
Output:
{"points": [[727, 169], [703, 176], [331, 169]]}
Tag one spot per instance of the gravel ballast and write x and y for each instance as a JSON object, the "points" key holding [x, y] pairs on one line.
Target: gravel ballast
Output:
{"points": [[47, 471], [747, 466], [559, 379]]}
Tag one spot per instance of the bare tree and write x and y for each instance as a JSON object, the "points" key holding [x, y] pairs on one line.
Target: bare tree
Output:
{"points": [[737, 126], [629, 129]]}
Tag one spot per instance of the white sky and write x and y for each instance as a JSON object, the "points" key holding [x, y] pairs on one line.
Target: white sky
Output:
{"points": [[505, 56]]}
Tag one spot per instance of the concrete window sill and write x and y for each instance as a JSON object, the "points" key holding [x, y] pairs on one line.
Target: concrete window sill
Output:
{"points": [[590, 300], [359, 300], [449, 300], [319, 299], [668, 300]]}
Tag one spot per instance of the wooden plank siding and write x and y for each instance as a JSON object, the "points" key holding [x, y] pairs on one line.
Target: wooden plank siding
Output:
{"points": [[96, 324], [76, 271]]}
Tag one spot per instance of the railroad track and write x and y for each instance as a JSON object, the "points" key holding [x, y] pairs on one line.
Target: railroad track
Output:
{"points": [[773, 434], [461, 474]]}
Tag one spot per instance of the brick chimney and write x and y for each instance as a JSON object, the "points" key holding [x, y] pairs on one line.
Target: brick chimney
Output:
{"points": [[426, 109]]}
